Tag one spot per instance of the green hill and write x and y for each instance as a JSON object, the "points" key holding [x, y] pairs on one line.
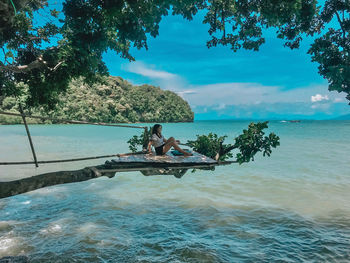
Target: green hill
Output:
{"points": [[116, 100]]}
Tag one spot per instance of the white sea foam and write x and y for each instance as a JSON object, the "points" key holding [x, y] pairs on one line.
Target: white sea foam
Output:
{"points": [[51, 229], [48, 190], [6, 243], [87, 227]]}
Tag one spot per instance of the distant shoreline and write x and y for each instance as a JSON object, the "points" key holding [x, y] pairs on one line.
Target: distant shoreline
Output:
{"points": [[20, 123], [253, 120]]}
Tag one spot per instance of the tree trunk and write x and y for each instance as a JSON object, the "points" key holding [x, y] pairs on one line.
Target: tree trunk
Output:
{"points": [[43, 180]]}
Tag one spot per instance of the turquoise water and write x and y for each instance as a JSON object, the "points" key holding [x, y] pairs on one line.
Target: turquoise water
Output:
{"points": [[291, 207]]}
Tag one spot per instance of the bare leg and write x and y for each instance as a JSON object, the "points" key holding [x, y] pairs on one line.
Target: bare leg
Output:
{"points": [[172, 143]]}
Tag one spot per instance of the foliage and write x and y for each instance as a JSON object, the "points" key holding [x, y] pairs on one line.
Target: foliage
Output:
{"points": [[209, 145], [253, 141], [249, 143], [142, 139], [111, 100], [134, 142], [332, 49], [46, 54], [240, 24]]}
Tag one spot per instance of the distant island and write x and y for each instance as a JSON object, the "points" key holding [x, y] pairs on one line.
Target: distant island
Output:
{"points": [[114, 100], [342, 117]]}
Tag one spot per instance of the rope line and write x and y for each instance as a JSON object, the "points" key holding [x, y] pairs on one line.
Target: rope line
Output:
{"points": [[67, 121], [72, 121], [71, 160]]}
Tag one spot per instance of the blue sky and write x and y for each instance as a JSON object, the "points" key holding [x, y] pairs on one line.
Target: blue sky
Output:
{"points": [[273, 83]]}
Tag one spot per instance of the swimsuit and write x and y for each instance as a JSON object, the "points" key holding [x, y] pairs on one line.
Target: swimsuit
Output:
{"points": [[159, 149], [158, 143]]}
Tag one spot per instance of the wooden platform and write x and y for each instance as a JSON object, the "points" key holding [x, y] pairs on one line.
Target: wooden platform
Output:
{"points": [[159, 164], [168, 158]]}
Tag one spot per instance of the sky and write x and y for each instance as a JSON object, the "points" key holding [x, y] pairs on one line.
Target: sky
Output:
{"points": [[273, 83]]}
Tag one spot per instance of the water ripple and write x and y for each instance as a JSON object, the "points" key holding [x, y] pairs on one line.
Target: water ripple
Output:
{"points": [[156, 231]]}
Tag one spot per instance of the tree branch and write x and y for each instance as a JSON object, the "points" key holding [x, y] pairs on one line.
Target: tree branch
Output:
{"points": [[20, 186], [38, 63], [341, 24], [55, 67], [37, 38], [223, 152]]}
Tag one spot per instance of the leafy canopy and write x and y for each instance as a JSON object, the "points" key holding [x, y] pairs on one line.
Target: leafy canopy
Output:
{"points": [[46, 54]]}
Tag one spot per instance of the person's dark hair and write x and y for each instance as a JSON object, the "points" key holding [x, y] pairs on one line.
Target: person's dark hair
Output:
{"points": [[155, 128]]}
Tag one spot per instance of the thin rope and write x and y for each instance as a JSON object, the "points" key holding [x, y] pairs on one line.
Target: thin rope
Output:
{"points": [[71, 160], [69, 121], [73, 121]]}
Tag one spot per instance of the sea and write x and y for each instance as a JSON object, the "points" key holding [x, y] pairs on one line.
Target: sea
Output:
{"points": [[293, 206]]}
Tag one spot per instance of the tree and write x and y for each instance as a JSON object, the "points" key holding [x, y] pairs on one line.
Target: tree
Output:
{"points": [[44, 56], [332, 49], [249, 143]]}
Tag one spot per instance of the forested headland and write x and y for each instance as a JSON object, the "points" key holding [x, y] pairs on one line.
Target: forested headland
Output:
{"points": [[111, 100]]}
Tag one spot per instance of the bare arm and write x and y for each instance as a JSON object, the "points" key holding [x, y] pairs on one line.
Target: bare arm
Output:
{"points": [[149, 147]]}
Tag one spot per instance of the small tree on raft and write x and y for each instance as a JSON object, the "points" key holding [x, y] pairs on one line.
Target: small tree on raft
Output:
{"points": [[143, 140], [249, 143]]}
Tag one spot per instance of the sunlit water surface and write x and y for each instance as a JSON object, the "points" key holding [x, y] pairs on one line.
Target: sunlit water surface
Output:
{"points": [[291, 207]]}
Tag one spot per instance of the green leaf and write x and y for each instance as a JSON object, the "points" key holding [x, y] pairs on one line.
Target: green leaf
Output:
{"points": [[9, 54]]}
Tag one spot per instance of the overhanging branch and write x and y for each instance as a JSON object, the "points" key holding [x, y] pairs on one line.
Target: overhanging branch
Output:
{"points": [[38, 63], [20, 186]]}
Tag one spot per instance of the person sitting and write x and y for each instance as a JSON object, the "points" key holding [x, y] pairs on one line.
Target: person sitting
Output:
{"points": [[162, 145]]}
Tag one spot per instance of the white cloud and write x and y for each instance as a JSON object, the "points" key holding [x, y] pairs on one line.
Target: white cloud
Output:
{"points": [[163, 79], [337, 100], [297, 110], [229, 93], [146, 71], [183, 92], [221, 106], [319, 97], [244, 99], [321, 106], [237, 93]]}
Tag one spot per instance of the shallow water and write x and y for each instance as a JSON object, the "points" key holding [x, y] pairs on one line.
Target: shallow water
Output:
{"points": [[291, 207]]}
